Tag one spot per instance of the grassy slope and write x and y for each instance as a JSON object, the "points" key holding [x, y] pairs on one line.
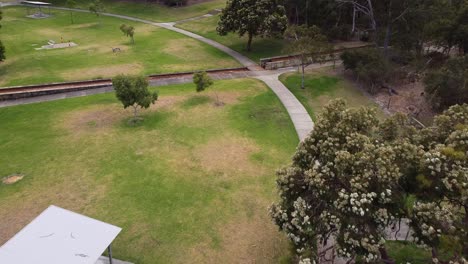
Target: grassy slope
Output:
{"points": [[156, 50], [152, 11], [191, 184], [261, 47], [321, 88]]}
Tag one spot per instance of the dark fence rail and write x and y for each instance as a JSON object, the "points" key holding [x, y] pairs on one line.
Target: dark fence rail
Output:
{"points": [[17, 92]]}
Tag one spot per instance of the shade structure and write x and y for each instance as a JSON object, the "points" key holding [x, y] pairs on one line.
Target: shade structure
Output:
{"points": [[59, 236], [36, 3]]}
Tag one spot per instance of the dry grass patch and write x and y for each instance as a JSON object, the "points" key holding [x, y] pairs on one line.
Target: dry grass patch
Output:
{"points": [[48, 32], [73, 190], [245, 240], [229, 155], [93, 120], [84, 25]]}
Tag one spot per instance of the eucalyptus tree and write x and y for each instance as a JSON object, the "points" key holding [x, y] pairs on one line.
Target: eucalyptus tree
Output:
{"points": [[265, 18]]}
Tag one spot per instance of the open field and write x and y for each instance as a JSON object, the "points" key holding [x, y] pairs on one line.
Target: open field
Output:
{"points": [[322, 86], [261, 47], [155, 50], [151, 10], [191, 184]]}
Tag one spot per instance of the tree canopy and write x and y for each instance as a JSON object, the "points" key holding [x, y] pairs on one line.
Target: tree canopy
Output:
{"points": [[253, 17], [133, 91], [128, 31]]}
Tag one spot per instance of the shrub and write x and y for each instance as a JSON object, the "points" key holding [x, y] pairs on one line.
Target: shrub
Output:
{"points": [[448, 86], [369, 66]]}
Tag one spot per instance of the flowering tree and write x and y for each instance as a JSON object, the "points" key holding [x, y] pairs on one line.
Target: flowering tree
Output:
{"points": [[440, 215], [354, 176], [343, 184]]}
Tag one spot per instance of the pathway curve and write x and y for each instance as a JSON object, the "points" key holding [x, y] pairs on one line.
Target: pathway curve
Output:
{"points": [[301, 119]]}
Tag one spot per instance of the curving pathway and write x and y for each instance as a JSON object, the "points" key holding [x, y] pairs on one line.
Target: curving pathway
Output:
{"points": [[302, 121]]}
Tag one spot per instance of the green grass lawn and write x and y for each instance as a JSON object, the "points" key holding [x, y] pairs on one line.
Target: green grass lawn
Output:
{"points": [[261, 47], [152, 11], [321, 87], [155, 50], [191, 184]]}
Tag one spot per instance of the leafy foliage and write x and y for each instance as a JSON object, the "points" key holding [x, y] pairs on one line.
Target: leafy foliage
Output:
{"points": [[354, 176], [448, 85], [96, 7], [133, 91], [202, 81], [253, 17], [128, 31]]}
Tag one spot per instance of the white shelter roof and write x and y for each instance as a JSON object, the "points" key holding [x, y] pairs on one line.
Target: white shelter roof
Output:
{"points": [[37, 3], [59, 236]]}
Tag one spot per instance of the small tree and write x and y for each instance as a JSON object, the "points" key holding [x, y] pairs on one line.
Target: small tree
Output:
{"points": [[309, 44], [97, 8], [2, 51], [252, 17], [202, 81], [71, 4], [128, 31], [133, 91]]}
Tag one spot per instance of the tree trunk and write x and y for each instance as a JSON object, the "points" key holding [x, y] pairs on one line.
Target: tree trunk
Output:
{"points": [[249, 43], [133, 40], [388, 35], [465, 221], [353, 29], [135, 113], [385, 257], [303, 75]]}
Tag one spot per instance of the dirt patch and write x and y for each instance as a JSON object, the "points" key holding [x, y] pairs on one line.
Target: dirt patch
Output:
{"points": [[12, 179], [84, 25], [229, 155], [48, 32], [96, 119], [107, 71], [410, 99]]}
